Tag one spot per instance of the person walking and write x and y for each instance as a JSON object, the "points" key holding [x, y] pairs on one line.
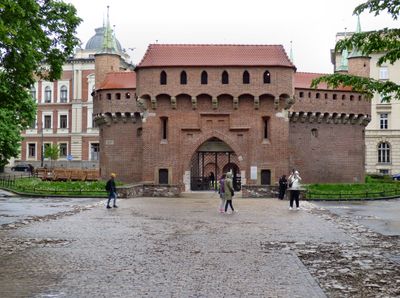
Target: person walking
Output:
{"points": [[211, 177], [228, 187], [294, 181], [222, 193], [112, 191], [283, 185]]}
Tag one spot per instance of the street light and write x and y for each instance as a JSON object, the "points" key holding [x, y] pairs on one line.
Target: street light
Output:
{"points": [[42, 153]]}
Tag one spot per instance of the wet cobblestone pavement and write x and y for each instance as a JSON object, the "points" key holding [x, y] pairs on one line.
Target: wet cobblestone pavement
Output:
{"points": [[158, 247]]}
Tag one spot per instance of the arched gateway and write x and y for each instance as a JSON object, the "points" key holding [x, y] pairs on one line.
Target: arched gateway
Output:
{"points": [[212, 159]]}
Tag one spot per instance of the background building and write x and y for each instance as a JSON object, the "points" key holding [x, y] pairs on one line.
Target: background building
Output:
{"points": [[65, 109], [382, 135]]}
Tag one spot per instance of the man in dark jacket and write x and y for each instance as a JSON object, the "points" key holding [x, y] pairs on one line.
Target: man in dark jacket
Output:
{"points": [[283, 185], [112, 191]]}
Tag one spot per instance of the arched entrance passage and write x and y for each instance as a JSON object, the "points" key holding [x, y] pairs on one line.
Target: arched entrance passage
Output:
{"points": [[213, 158]]}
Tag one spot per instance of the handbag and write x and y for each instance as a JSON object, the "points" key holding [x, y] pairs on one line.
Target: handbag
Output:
{"points": [[233, 193]]}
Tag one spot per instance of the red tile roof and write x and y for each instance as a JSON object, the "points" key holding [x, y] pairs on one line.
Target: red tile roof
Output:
{"points": [[302, 80], [119, 80], [161, 55]]}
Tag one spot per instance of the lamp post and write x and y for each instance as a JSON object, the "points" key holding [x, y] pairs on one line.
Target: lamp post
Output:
{"points": [[42, 153]]}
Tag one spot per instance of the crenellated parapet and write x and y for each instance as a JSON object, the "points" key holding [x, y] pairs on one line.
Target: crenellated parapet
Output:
{"points": [[334, 118], [110, 118]]}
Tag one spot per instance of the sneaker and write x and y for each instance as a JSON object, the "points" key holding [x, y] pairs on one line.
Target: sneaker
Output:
{"points": [[290, 208], [298, 208], [115, 206], [108, 207]]}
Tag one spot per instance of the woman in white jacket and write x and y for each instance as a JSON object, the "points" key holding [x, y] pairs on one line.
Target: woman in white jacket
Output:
{"points": [[294, 181]]}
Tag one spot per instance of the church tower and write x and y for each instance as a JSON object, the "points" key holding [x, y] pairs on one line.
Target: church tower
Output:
{"points": [[116, 113], [107, 59], [358, 63]]}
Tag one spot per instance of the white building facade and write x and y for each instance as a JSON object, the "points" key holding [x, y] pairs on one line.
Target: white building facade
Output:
{"points": [[65, 113]]}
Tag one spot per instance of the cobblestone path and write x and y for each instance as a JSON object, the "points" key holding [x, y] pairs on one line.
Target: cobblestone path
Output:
{"points": [[182, 247]]}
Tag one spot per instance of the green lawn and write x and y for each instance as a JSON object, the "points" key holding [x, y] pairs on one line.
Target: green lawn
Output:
{"points": [[373, 188], [69, 188]]}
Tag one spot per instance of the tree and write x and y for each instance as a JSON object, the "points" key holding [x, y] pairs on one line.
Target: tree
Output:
{"points": [[52, 152], [385, 41], [36, 37]]}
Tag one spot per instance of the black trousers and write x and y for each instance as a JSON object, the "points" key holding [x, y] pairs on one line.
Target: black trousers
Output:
{"points": [[282, 192], [228, 202], [294, 196]]}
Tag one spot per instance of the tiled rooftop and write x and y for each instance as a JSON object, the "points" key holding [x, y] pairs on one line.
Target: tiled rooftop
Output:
{"points": [[161, 55], [119, 80], [302, 80]]}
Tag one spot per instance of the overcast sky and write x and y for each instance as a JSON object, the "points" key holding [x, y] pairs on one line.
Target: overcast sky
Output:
{"points": [[311, 25]]}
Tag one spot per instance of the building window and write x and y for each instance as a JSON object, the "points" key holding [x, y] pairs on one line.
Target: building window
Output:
{"points": [[47, 94], [163, 176], [118, 95], [383, 121], [225, 77], [326, 95], [301, 94], [63, 121], [33, 93], [343, 96], [309, 94], [359, 97], [46, 147], [246, 77], [204, 78], [163, 78], [164, 128], [63, 94], [383, 73], [314, 132], [384, 152], [351, 97], [139, 132], [183, 78], [63, 150], [109, 96], [31, 150], [47, 121], [384, 171], [94, 151], [317, 95], [127, 95], [265, 127], [265, 177], [267, 77], [334, 96]]}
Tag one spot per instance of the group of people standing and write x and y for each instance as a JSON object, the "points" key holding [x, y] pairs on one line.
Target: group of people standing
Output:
{"points": [[293, 185], [226, 193]]}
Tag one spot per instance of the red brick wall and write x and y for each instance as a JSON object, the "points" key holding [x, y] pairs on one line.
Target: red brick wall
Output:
{"points": [[359, 66], [335, 155], [103, 105], [121, 151], [148, 81], [351, 103], [105, 63]]}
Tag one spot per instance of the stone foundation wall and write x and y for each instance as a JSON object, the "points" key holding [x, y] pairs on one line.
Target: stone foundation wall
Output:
{"points": [[260, 191], [148, 190], [266, 191]]}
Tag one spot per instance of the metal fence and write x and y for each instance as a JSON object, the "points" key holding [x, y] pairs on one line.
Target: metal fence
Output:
{"points": [[346, 195]]}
